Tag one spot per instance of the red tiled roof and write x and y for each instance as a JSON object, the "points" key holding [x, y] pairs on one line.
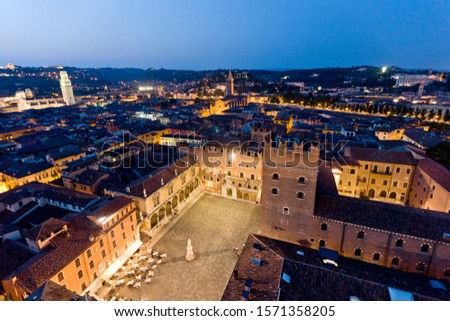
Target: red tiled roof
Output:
{"points": [[153, 183], [383, 216], [43, 231], [436, 171], [265, 278], [65, 248], [382, 156], [108, 206]]}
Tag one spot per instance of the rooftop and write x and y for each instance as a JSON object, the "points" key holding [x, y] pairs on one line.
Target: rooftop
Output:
{"points": [[292, 272], [383, 216], [382, 156]]}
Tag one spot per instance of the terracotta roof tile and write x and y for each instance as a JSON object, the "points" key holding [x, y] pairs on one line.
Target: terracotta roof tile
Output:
{"points": [[388, 217]]}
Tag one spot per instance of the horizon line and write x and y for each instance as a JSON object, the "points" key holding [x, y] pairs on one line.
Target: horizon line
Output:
{"points": [[223, 68]]}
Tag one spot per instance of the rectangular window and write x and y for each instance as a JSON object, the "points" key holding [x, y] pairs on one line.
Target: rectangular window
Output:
{"points": [[60, 276], [112, 233], [385, 183], [408, 171], [372, 181], [77, 263], [91, 264], [103, 253], [114, 244], [80, 274], [395, 184], [89, 253], [397, 170], [122, 226], [286, 210], [102, 243], [124, 236]]}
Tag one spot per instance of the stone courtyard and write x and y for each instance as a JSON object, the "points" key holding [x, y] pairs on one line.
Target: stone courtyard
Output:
{"points": [[215, 225]]}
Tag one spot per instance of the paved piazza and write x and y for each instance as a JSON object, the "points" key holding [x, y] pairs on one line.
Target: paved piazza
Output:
{"points": [[215, 225]]}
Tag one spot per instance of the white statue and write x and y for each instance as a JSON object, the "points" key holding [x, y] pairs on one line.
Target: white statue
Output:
{"points": [[190, 255]]}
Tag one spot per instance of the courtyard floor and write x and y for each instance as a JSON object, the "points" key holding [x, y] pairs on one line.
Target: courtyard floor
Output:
{"points": [[215, 226]]}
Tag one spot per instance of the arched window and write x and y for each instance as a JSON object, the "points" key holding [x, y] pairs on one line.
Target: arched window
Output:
{"points": [[156, 200], [300, 195], [274, 191], [322, 243], [424, 248], [393, 195], [376, 256], [229, 173], [383, 194], [399, 243], [324, 227], [358, 252], [275, 176], [301, 180], [252, 176], [241, 175], [395, 261], [361, 235], [371, 193], [420, 267]]}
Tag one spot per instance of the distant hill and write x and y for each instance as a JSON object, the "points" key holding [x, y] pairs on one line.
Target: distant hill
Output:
{"points": [[38, 80]]}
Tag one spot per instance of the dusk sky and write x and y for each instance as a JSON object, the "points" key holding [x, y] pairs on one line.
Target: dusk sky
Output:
{"points": [[205, 34]]}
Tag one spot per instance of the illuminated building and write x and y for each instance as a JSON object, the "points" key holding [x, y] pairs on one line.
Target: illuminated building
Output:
{"points": [[66, 88]]}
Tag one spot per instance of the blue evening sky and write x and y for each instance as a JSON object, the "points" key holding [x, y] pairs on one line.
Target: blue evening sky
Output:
{"points": [[209, 34]]}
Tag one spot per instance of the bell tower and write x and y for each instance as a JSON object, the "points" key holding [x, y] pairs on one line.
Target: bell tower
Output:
{"points": [[230, 84]]}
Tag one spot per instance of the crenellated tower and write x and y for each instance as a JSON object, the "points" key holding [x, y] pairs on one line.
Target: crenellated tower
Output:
{"points": [[290, 170]]}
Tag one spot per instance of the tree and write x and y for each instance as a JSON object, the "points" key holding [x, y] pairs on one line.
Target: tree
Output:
{"points": [[274, 100], [440, 153], [447, 115]]}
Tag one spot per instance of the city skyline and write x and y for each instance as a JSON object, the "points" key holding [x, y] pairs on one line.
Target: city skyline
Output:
{"points": [[231, 35]]}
